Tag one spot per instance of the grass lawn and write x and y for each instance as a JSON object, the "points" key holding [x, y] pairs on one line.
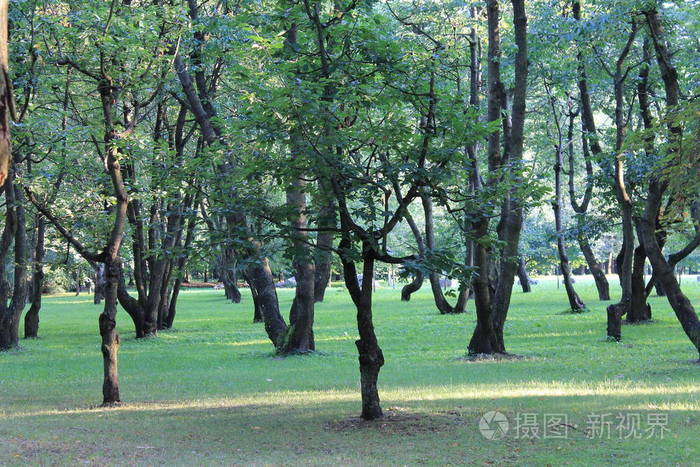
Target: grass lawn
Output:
{"points": [[211, 392]]}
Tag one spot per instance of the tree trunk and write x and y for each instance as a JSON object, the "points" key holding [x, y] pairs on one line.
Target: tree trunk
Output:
{"points": [[15, 229], [647, 222], [261, 280], [589, 140], [6, 98], [413, 286], [370, 355], [257, 307], [511, 221], [31, 318], [110, 336], [100, 283], [601, 282], [299, 334], [434, 277], [229, 277], [626, 257], [664, 272], [576, 305], [523, 276], [639, 310], [484, 339], [112, 261], [418, 277], [323, 253], [487, 336]]}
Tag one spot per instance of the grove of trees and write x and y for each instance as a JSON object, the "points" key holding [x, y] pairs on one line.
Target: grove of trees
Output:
{"points": [[145, 145]]}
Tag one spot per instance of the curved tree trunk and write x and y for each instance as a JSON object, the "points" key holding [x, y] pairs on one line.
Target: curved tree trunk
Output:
{"points": [[257, 311], [434, 277], [261, 280], [419, 277], [112, 261], [601, 282], [640, 310], [647, 222], [626, 257], [523, 276], [179, 269], [413, 286], [228, 274]]}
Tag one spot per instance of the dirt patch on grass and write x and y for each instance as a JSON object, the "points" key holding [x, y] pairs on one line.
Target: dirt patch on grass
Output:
{"points": [[485, 357], [24, 451], [400, 421]]}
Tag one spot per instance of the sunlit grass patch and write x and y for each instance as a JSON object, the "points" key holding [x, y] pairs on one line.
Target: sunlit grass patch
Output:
{"points": [[212, 392]]}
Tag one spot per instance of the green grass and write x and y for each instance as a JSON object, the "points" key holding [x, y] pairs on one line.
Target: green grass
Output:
{"points": [[211, 391]]}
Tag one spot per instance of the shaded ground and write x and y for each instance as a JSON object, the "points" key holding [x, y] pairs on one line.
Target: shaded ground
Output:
{"points": [[211, 392]]}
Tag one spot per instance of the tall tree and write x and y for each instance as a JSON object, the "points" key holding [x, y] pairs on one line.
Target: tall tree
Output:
{"points": [[492, 310], [659, 184]]}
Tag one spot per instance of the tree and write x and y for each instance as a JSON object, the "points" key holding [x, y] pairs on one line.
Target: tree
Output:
{"points": [[493, 310], [576, 305], [658, 184]]}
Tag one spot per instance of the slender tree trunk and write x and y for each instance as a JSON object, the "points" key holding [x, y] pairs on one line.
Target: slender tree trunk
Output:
{"points": [[434, 277], [647, 222], [576, 305], [639, 310], [110, 336], [107, 320], [229, 277], [180, 267], [625, 263], [371, 357], [100, 283], [589, 140], [257, 308], [31, 318], [484, 339], [299, 335], [413, 286], [418, 277], [15, 229], [511, 221], [601, 282], [323, 254], [523, 276], [261, 280]]}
